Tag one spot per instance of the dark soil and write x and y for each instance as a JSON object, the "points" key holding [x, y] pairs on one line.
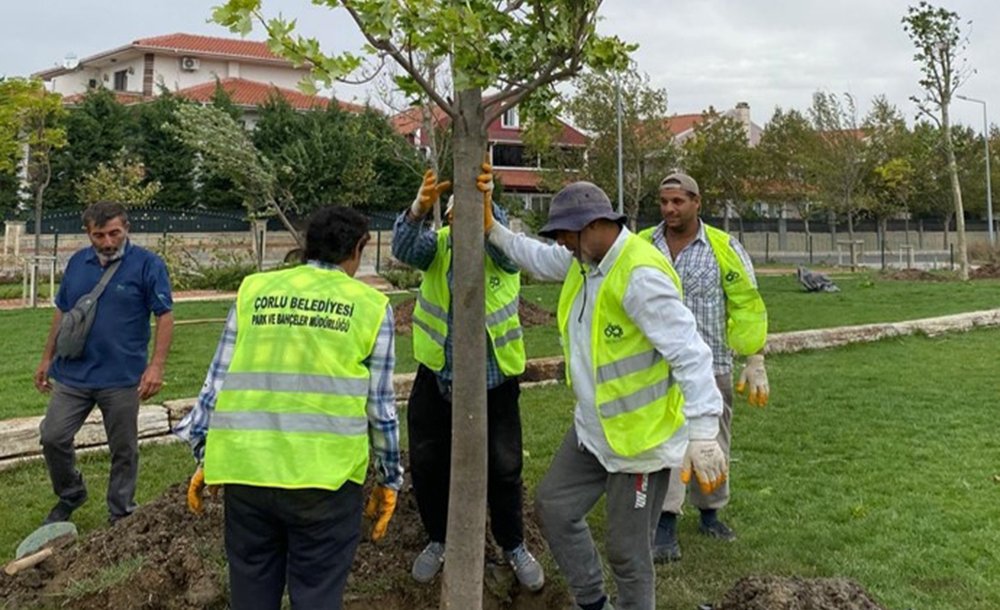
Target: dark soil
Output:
{"points": [[915, 275], [989, 271], [182, 566], [530, 314], [790, 593]]}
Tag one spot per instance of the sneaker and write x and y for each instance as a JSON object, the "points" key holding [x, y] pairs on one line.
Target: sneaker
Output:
{"points": [[527, 569], [428, 563], [666, 548], [717, 529]]}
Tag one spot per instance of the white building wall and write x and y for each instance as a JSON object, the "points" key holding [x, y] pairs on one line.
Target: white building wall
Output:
{"points": [[282, 77]]}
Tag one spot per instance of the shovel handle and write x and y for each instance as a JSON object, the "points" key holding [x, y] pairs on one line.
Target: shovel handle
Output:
{"points": [[27, 561]]}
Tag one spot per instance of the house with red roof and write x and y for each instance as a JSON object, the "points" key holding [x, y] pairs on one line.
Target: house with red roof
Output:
{"points": [[517, 169], [682, 125], [189, 66]]}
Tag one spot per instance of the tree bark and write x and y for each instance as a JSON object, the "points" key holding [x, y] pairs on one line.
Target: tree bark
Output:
{"points": [[956, 190], [462, 585]]}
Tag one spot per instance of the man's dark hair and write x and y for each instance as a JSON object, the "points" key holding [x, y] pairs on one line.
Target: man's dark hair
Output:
{"points": [[333, 233], [101, 213]]}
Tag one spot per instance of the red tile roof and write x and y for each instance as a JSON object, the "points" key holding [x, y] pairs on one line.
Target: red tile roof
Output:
{"points": [[679, 123], [409, 121], [250, 93], [122, 97], [518, 178], [211, 45]]}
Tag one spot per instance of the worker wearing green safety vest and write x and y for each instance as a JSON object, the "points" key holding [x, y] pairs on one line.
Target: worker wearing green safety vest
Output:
{"points": [[647, 403], [429, 410], [720, 289], [300, 385]]}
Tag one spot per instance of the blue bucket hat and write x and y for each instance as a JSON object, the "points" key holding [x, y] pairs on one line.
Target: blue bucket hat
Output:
{"points": [[576, 206]]}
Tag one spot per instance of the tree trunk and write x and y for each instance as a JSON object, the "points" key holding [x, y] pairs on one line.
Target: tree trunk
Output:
{"points": [[725, 216], [956, 190], [462, 585], [947, 228]]}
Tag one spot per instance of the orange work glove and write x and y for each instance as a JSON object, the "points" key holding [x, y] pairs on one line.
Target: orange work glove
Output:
{"points": [[484, 182], [429, 194], [754, 380], [706, 459], [379, 509], [196, 491]]}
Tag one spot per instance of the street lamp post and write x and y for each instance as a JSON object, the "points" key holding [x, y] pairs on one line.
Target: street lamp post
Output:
{"points": [[618, 113], [989, 188]]}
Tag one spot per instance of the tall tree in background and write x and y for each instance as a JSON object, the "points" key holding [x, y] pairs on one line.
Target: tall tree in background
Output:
{"points": [[840, 168], [941, 45], [98, 128], [786, 171], [213, 190], [225, 148], [31, 128], [122, 180], [648, 152], [889, 151], [523, 49], [719, 157], [167, 160]]}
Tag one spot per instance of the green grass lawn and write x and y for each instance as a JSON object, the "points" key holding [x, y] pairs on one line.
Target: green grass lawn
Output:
{"points": [[873, 462], [861, 300]]}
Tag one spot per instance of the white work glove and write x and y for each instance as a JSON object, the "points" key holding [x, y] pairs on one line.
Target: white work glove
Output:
{"points": [[754, 380], [706, 458], [429, 194]]}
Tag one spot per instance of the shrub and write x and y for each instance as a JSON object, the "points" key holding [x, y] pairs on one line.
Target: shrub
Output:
{"points": [[401, 276]]}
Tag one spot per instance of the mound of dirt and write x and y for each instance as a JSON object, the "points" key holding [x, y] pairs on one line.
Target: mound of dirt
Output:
{"points": [[989, 271], [915, 275], [163, 557], [530, 314], [790, 593]]}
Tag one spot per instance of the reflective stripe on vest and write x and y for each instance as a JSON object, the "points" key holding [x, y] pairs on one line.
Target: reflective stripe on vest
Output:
{"points": [[503, 325], [746, 315], [292, 409], [639, 408]]}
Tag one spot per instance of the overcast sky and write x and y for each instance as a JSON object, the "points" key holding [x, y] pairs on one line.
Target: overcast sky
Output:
{"points": [[703, 52]]}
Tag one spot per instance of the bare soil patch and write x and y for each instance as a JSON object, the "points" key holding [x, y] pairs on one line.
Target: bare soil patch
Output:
{"points": [[530, 314], [791, 593], [989, 271], [915, 275], [165, 558]]}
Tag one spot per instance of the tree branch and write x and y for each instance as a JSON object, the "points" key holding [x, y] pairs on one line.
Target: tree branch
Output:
{"points": [[402, 60]]}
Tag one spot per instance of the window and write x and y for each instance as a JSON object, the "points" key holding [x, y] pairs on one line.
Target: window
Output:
{"points": [[92, 83], [509, 119], [510, 155], [121, 80]]}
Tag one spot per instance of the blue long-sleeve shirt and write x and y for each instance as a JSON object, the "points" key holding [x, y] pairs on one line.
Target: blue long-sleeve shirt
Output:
{"points": [[383, 425], [415, 243]]}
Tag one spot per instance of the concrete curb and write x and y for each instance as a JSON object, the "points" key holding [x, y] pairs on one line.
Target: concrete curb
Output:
{"points": [[19, 438]]}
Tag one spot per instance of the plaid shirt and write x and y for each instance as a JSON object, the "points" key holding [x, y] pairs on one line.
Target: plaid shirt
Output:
{"points": [[383, 426], [415, 243], [703, 294]]}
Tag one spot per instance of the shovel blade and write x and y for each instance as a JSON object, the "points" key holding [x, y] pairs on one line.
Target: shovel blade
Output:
{"points": [[44, 535]]}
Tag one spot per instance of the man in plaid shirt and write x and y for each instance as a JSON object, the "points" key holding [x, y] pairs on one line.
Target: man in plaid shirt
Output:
{"points": [[684, 239]]}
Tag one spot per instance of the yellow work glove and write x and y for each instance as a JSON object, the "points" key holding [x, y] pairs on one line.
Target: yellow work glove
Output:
{"points": [[196, 491], [754, 380], [429, 194], [484, 182], [706, 459], [379, 509]]}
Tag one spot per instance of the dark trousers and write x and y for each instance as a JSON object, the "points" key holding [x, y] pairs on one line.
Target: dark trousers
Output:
{"points": [[67, 410], [428, 418], [307, 536]]}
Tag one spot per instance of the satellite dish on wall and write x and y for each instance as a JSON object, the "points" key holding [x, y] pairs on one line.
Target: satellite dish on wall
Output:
{"points": [[70, 61]]}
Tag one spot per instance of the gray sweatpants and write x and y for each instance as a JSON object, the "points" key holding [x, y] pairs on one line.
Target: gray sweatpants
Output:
{"points": [[720, 497], [68, 408], [574, 483]]}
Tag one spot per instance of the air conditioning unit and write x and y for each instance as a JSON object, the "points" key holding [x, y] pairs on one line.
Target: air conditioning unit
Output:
{"points": [[190, 64]]}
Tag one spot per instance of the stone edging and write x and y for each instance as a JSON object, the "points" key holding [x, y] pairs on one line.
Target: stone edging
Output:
{"points": [[19, 437]]}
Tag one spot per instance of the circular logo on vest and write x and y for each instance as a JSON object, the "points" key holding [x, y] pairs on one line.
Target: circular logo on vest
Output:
{"points": [[494, 281], [613, 331], [732, 276]]}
